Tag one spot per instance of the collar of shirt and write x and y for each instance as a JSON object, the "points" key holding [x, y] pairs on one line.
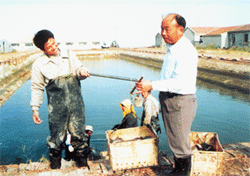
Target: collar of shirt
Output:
{"points": [[54, 59], [175, 47], [148, 97], [63, 52]]}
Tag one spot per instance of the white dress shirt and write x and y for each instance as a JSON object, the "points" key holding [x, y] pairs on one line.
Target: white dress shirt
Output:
{"points": [[179, 69]]}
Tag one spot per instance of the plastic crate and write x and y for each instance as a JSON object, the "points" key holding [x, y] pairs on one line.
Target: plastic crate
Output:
{"points": [[206, 163], [132, 148]]}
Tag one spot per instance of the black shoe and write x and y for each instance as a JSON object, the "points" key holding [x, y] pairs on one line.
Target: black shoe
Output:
{"points": [[83, 162], [182, 166], [55, 162], [81, 159], [177, 168], [55, 157]]}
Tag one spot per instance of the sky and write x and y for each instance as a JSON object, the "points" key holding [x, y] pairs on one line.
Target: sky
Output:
{"points": [[132, 23]]}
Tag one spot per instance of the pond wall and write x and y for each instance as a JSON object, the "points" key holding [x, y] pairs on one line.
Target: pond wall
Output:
{"points": [[228, 74], [13, 77]]}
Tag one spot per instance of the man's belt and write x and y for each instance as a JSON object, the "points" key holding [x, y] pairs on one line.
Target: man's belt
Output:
{"points": [[170, 94]]}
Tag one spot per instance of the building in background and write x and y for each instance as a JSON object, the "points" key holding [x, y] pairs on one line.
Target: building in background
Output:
{"points": [[5, 46], [23, 43], [26, 43], [158, 40], [114, 44], [74, 45], [240, 36], [194, 34], [226, 37], [81, 45]]}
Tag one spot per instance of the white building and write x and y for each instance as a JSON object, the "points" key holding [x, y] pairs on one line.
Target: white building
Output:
{"points": [[194, 33], [81, 45], [240, 37], [74, 45], [26, 43], [158, 40], [226, 37], [5, 46]]}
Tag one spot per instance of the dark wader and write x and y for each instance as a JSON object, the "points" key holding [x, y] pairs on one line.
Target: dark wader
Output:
{"points": [[66, 112]]}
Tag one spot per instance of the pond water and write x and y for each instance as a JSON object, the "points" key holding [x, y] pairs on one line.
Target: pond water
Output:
{"points": [[219, 110]]}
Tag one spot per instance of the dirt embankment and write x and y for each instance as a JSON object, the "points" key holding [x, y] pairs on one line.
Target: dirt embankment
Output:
{"points": [[14, 71], [228, 70], [233, 62]]}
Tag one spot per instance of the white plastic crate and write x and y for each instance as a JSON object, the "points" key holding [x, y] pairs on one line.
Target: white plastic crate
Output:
{"points": [[132, 148]]}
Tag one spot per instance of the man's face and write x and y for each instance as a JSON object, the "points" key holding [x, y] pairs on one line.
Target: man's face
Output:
{"points": [[89, 133], [51, 47], [170, 30], [144, 94]]}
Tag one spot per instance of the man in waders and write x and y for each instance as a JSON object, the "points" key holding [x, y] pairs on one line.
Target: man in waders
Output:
{"points": [[60, 73], [69, 150]]}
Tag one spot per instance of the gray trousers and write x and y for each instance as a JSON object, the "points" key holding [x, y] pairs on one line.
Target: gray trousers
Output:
{"points": [[178, 112]]}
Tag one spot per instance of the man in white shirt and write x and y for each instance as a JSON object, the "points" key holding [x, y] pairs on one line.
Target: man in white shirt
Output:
{"points": [[60, 74], [177, 86]]}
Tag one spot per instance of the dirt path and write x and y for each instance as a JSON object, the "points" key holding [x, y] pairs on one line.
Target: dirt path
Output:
{"points": [[231, 55]]}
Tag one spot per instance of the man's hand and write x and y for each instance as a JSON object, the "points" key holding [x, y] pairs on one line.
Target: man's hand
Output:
{"points": [[84, 72], [71, 149], [35, 117], [143, 86]]}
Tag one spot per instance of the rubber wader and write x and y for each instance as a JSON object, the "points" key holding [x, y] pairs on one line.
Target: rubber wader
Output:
{"points": [[66, 112]]}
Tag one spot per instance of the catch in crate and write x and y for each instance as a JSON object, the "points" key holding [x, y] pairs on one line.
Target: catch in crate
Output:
{"points": [[207, 154], [132, 148]]}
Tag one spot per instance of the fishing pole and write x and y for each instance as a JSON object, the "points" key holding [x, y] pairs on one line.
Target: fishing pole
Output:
{"points": [[132, 91], [114, 77]]}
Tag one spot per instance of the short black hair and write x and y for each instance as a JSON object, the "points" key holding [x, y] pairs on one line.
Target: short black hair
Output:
{"points": [[41, 37], [180, 20], [88, 131]]}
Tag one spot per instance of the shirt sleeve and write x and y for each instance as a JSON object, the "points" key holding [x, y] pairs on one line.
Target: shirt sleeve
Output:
{"points": [[37, 87], [77, 66]]}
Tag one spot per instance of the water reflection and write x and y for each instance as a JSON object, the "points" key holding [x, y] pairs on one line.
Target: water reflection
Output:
{"points": [[234, 93]]}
